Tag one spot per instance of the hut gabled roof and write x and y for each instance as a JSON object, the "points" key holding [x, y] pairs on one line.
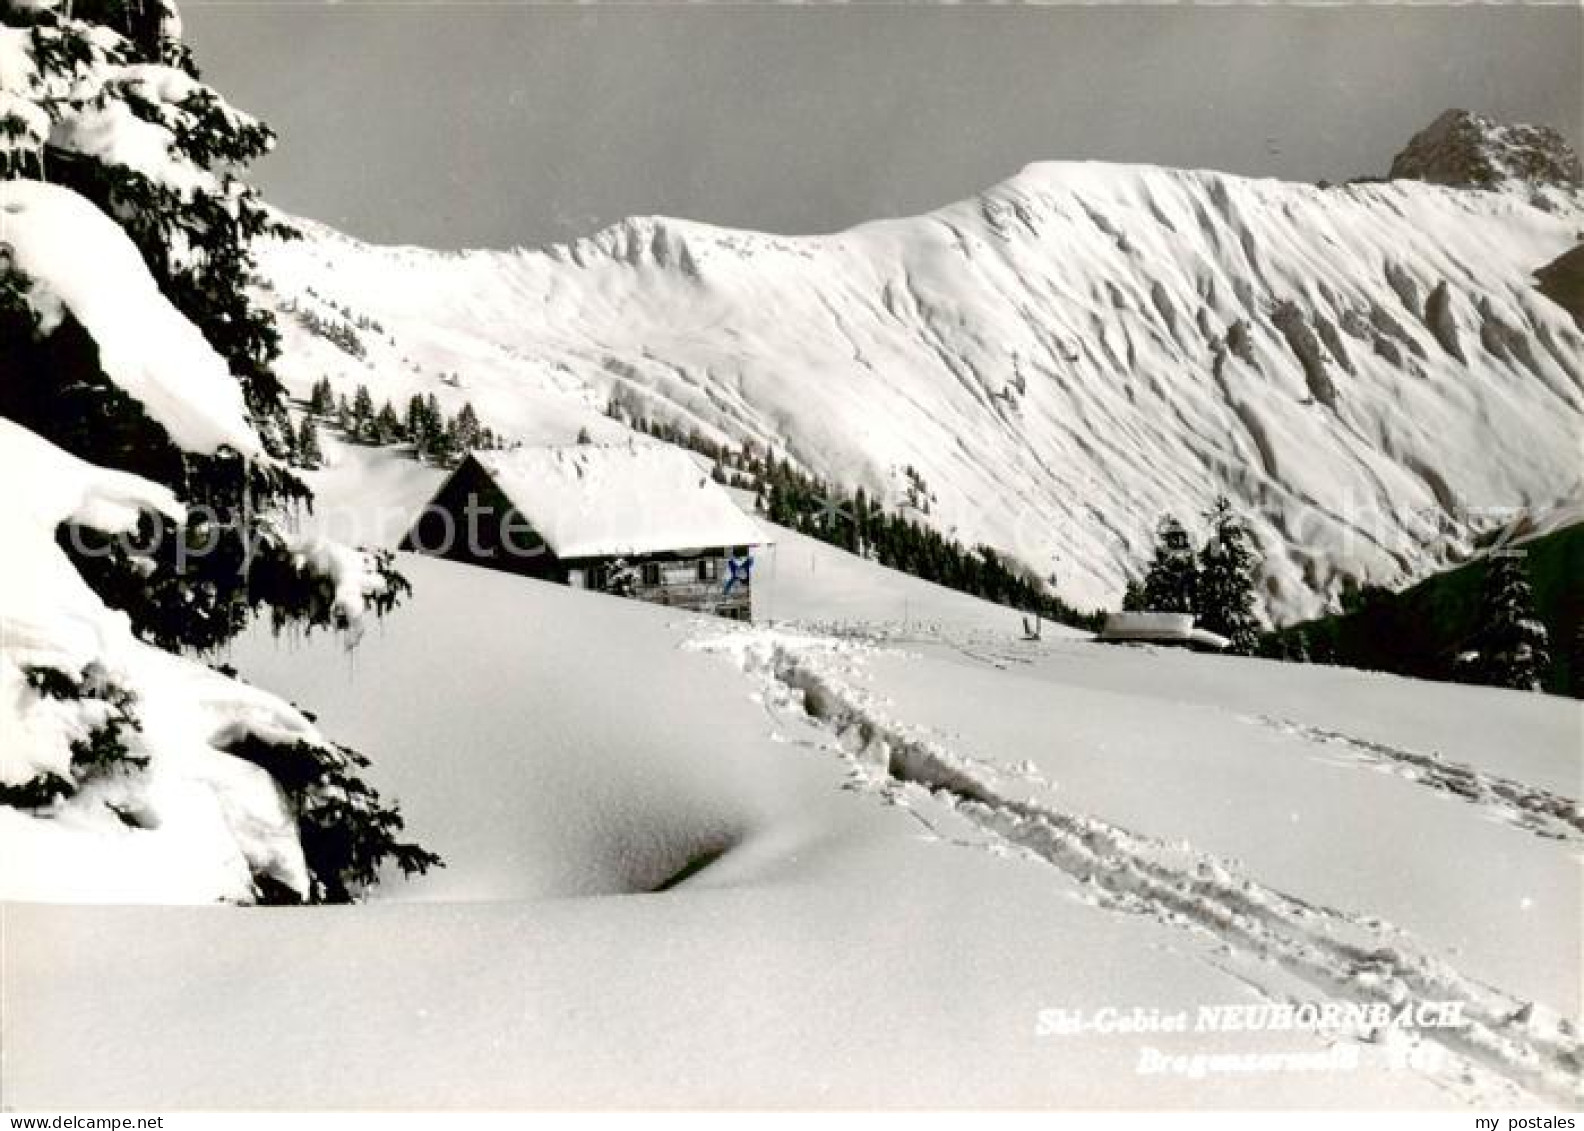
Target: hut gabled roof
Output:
{"points": [[596, 500]]}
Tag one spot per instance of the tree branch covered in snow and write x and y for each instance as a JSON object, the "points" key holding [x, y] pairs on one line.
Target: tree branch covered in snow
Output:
{"points": [[119, 775], [133, 130]]}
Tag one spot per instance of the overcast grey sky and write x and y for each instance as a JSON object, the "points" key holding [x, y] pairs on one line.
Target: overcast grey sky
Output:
{"points": [[496, 124]]}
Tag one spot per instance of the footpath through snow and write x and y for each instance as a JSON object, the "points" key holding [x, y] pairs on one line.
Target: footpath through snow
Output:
{"points": [[1505, 1050]]}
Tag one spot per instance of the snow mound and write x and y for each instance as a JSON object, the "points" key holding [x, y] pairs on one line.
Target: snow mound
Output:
{"points": [[176, 819], [582, 750]]}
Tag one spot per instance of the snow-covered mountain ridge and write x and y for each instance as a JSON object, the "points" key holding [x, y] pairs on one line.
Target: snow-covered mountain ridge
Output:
{"points": [[1369, 370]]}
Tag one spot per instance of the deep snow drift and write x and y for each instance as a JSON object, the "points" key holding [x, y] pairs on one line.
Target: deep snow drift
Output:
{"points": [[195, 825], [1368, 369]]}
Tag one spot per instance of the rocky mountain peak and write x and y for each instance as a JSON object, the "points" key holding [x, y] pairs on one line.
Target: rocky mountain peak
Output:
{"points": [[1466, 150]]}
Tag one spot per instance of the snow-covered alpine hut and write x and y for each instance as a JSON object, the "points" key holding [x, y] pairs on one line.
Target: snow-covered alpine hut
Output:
{"points": [[639, 520]]}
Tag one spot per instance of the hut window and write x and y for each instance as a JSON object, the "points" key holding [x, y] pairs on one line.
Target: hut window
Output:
{"points": [[709, 569], [677, 573], [651, 573]]}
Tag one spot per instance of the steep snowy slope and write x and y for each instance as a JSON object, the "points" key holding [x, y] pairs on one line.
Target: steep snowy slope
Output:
{"points": [[1368, 368]]}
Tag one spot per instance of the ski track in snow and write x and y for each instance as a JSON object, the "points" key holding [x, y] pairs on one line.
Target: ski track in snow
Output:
{"points": [[1526, 807], [1510, 1051]]}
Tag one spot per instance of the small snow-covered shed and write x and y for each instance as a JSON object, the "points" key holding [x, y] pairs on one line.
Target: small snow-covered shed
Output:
{"points": [[1159, 628], [642, 520]]}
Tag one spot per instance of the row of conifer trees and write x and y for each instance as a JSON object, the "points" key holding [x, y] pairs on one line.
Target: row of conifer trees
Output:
{"points": [[1214, 582], [435, 437]]}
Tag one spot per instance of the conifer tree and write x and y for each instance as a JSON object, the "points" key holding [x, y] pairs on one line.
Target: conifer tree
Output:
{"points": [[1511, 642], [417, 417], [467, 429], [1301, 652], [429, 438], [309, 453], [363, 415], [95, 66], [446, 447], [1225, 600], [387, 425], [285, 437], [1172, 582], [195, 234], [321, 402]]}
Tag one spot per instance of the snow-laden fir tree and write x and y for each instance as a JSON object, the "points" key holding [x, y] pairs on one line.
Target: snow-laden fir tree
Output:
{"points": [[416, 419], [1300, 652], [1225, 601], [387, 425], [1511, 644], [107, 133], [321, 402], [468, 429], [1171, 584], [363, 426], [111, 74], [309, 452]]}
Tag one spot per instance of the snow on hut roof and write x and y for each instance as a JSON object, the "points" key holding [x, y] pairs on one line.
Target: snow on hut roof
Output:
{"points": [[592, 500], [1165, 628]]}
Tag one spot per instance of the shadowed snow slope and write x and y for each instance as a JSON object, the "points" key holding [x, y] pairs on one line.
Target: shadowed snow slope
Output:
{"points": [[1369, 368]]}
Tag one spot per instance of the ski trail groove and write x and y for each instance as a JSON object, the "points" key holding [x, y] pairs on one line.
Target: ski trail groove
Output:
{"points": [[1535, 810], [1505, 1042]]}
